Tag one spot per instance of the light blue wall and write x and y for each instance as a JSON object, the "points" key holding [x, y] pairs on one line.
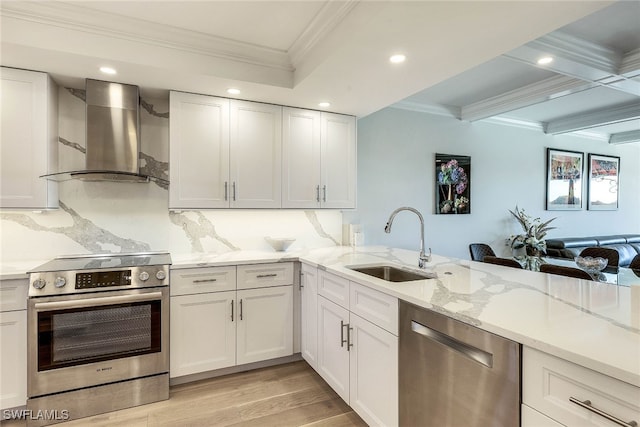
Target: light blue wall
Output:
{"points": [[396, 151]]}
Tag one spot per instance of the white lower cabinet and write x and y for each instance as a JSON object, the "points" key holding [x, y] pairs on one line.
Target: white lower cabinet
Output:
{"points": [[356, 357], [309, 315], [214, 330], [264, 324], [13, 342], [573, 395]]}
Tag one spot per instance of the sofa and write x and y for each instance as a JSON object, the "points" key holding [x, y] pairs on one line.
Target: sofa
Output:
{"points": [[627, 245]]}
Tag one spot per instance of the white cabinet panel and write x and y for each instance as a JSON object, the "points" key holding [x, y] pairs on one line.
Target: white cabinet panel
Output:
{"points": [[28, 139], [13, 359], [265, 324], [309, 315], [338, 186], [373, 373], [256, 155], [203, 334], [198, 151], [333, 357], [300, 158]]}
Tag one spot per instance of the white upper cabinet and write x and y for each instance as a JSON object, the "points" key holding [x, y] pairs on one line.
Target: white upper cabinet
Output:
{"points": [[319, 157], [256, 155], [198, 151], [28, 139]]}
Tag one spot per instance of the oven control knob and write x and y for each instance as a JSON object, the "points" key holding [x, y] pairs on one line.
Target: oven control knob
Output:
{"points": [[39, 283], [60, 282], [161, 275], [144, 276]]}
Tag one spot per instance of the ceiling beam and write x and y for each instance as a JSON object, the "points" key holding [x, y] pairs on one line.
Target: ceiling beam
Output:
{"points": [[602, 117], [625, 137], [531, 94]]}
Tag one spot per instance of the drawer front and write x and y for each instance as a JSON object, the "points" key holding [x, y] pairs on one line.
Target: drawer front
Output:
{"points": [[378, 308], [334, 288], [201, 280], [561, 389], [265, 275], [13, 294]]}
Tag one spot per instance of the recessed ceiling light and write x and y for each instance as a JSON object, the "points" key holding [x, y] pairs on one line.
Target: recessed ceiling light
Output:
{"points": [[324, 105], [233, 91], [108, 70], [397, 59], [545, 60]]}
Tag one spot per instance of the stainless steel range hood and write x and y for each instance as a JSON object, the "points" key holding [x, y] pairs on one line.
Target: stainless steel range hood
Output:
{"points": [[112, 135]]}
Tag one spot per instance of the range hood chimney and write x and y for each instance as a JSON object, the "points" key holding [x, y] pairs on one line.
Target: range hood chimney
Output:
{"points": [[112, 134]]}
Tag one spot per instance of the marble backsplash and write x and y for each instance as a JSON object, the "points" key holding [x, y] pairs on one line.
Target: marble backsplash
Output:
{"points": [[99, 217]]}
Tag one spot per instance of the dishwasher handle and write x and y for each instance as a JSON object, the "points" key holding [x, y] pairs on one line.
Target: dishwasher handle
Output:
{"points": [[464, 349]]}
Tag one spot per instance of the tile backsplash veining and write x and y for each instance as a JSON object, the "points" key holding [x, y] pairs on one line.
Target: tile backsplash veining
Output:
{"points": [[98, 217]]}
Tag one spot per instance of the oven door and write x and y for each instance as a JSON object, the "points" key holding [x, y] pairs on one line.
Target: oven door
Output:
{"points": [[82, 340]]}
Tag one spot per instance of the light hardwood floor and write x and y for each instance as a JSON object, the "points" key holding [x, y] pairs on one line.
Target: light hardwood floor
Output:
{"points": [[285, 395]]}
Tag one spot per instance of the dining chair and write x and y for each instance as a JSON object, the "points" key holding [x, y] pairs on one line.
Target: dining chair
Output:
{"points": [[507, 262], [479, 250], [565, 271], [635, 263], [611, 255]]}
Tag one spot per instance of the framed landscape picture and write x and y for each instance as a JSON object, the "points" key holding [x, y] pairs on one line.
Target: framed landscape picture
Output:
{"points": [[564, 180], [604, 175]]}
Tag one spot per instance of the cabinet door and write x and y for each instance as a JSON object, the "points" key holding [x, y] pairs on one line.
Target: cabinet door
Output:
{"points": [[338, 161], [203, 333], [256, 155], [373, 371], [309, 315], [13, 359], [265, 324], [300, 158], [28, 139], [333, 357], [198, 151]]}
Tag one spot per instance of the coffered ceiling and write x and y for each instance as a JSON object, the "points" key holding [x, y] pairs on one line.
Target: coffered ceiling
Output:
{"points": [[469, 59]]}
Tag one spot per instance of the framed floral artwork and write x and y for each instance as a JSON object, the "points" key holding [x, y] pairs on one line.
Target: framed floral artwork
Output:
{"points": [[453, 180], [604, 175], [564, 180]]}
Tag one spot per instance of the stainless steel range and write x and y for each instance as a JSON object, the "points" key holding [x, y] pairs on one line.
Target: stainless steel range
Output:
{"points": [[98, 335]]}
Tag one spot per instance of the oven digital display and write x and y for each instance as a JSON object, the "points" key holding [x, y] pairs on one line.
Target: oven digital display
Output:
{"points": [[100, 279]]}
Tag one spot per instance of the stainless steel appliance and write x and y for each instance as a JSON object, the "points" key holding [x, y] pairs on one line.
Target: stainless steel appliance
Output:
{"points": [[453, 374], [98, 334]]}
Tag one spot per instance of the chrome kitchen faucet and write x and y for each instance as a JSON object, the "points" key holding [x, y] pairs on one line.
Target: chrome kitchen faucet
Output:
{"points": [[423, 258]]}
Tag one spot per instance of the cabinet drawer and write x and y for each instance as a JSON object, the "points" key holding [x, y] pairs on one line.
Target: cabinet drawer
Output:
{"points": [[377, 307], [334, 288], [200, 280], [549, 385], [13, 294], [265, 275]]}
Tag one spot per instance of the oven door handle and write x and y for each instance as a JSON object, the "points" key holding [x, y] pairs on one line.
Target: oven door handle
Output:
{"points": [[93, 302]]}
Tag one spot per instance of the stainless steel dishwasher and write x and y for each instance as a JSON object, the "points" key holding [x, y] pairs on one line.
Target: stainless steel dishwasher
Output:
{"points": [[453, 374]]}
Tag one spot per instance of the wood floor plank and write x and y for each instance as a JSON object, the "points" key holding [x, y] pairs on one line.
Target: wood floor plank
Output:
{"points": [[292, 394]]}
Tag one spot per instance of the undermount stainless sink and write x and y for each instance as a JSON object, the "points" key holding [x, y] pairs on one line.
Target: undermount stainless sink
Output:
{"points": [[393, 274]]}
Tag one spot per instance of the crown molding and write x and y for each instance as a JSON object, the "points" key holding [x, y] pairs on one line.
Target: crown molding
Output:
{"points": [[605, 116], [84, 20], [625, 137], [534, 93], [329, 17]]}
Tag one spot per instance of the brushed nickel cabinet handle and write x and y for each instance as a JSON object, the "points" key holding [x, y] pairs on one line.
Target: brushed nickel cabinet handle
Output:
{"points": [[586, 404]]}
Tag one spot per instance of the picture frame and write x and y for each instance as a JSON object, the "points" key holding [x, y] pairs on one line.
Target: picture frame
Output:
{"points": [[564, 180], [604, 181], [453, 184]]}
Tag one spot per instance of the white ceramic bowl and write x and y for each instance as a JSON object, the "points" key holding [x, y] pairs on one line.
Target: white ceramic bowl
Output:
{"points": [[280, 244], [590, 264]]}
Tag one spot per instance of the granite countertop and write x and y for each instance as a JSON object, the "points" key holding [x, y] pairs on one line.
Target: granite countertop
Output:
{"points": [[595, 325]]}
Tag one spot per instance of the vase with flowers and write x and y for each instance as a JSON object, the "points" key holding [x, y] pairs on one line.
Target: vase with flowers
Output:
{"points": [[532, 240], [453, 182]]}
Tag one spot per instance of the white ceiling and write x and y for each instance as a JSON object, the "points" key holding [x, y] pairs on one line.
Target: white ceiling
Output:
{"points": [[302, 52]]}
